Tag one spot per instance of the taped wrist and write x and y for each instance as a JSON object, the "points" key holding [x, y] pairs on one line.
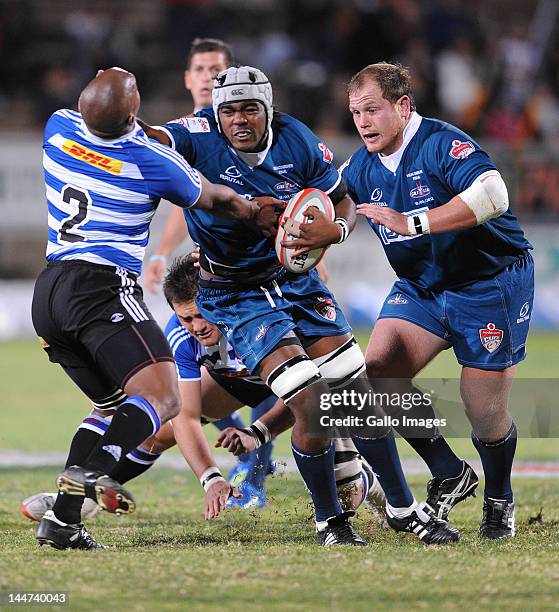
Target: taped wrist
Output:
{"points": [[418, 224], [210, 477], [259, 432]]}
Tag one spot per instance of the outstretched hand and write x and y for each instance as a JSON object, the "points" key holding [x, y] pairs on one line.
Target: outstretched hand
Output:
{"points": [[391, 219], [216, 498]]}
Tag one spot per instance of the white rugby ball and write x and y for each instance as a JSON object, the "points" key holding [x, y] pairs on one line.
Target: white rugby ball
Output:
{"points": [[293, 215]]}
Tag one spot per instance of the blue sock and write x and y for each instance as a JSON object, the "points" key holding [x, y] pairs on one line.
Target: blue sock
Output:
{"points": [[496, 458], [437, 454], [382, 456], [233, 420], [317, 470], [259, 460], [263, 407]]}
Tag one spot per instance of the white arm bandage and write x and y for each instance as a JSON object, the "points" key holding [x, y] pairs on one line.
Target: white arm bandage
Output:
{"points": [[487, 196]]}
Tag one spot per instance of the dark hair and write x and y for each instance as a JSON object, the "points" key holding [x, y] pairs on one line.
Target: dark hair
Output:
{"points": [[208, 45], [181, 281], [394, 81]]}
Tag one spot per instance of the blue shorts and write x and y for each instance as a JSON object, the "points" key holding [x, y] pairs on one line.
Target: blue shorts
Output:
{"points": [[255, 319], [486, 322]]}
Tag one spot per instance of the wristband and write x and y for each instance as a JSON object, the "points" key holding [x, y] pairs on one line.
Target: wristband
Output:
{"points": [[210, 476], [259, 432], [342, 223], [158, 258], [418, 224]]}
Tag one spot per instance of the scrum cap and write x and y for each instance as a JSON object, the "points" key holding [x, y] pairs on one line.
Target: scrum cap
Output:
{"points": [[240, 83]]}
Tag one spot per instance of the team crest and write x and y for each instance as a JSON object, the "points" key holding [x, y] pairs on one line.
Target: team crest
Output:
{"points": [[461, 150], [327, 155], [325, 308], [491, 337], [262, 331]]}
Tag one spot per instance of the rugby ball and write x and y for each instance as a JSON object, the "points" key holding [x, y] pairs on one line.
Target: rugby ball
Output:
{"points": [[293, 216]]}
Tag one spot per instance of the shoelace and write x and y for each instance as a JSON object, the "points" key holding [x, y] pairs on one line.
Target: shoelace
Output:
{"points": [[86, 537], [345, 531]]}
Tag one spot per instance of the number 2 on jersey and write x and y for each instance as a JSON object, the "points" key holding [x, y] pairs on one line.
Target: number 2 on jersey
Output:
{"points": [[80, 199]]}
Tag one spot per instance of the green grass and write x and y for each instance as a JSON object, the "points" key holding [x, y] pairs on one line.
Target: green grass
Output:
{"points": [[43, 407], [166, 557]]}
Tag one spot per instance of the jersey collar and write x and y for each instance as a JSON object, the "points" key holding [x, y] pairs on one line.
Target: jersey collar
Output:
{"points": [[96, 140], [255, 159], [392, 161]]}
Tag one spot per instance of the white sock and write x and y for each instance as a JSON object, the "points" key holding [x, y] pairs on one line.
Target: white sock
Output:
{"points": [[401, 512]]}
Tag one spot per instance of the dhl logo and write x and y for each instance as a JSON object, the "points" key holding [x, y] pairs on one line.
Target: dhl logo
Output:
{"points": [[78, 151]]}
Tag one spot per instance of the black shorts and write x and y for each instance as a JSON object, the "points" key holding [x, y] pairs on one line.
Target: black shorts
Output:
{"points": [[92, 320], [247, 392]]}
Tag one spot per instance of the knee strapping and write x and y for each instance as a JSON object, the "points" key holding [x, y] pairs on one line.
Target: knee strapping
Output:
{"points": [[292, 376], [342, 364], [111, 402]]}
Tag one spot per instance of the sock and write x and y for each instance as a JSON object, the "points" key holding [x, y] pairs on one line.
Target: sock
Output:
{"points": [[67, 508], [233, 420], [135, 463], [437, 454], [382, 456], [133, 422], [401, 512], [496, 458], [259, 460], [317, 470]]}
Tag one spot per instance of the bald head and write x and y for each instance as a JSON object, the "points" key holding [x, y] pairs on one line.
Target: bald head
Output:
{"points": [[110, 103]]}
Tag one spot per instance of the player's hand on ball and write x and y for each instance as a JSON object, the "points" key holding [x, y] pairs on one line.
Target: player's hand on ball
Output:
{"points": [[236, 441], [391, 219], [266, 220], [216, 498], [317, 232]]}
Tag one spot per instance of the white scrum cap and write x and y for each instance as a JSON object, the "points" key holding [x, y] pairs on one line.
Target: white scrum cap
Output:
{"points": [[240, 83]]}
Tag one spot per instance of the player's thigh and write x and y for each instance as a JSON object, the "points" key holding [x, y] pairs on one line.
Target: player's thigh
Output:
{"points": [[398, 348], [216, 401], [489, 319]]}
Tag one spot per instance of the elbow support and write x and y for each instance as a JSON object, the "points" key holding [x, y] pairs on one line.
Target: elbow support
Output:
{"points": [[487, 196]]}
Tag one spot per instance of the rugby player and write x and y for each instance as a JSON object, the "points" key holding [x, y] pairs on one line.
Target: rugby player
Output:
{"points": [[213, 383], [286, 328], [465, 276], [104, 179]]}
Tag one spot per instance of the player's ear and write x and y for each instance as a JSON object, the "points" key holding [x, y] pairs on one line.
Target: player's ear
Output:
{"points": [[404, 106], [130, 119]]}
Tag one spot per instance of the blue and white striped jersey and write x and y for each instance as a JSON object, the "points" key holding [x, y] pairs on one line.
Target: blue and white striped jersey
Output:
{"points": [[102, 194], [190, 355]]}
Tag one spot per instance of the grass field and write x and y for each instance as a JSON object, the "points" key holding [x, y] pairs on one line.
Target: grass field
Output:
{"points": [[165, 557]]}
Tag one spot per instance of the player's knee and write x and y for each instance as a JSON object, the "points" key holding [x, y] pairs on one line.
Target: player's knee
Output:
{"points": [[290, 379], [343, 364]]}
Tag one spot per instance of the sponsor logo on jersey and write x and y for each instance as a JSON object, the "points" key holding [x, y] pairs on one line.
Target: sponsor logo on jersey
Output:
{"points": [[414, 174], [262, 331], [117, 317], [461, 150], [325, 308], [232, 175], [524, 314], [420, 191], [108, 164], [491, 337], [283, 168], [398, 299], [285, 186], [327, 155], [197, 124], [376, 194]]}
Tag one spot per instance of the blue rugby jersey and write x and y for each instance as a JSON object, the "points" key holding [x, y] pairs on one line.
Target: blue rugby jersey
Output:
{"points": [[296, 159], [439, 161], [190, 355], [102, 194]]}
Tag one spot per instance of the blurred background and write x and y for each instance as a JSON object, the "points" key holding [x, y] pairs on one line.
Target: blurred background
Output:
{"points": [[488, 66]]}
